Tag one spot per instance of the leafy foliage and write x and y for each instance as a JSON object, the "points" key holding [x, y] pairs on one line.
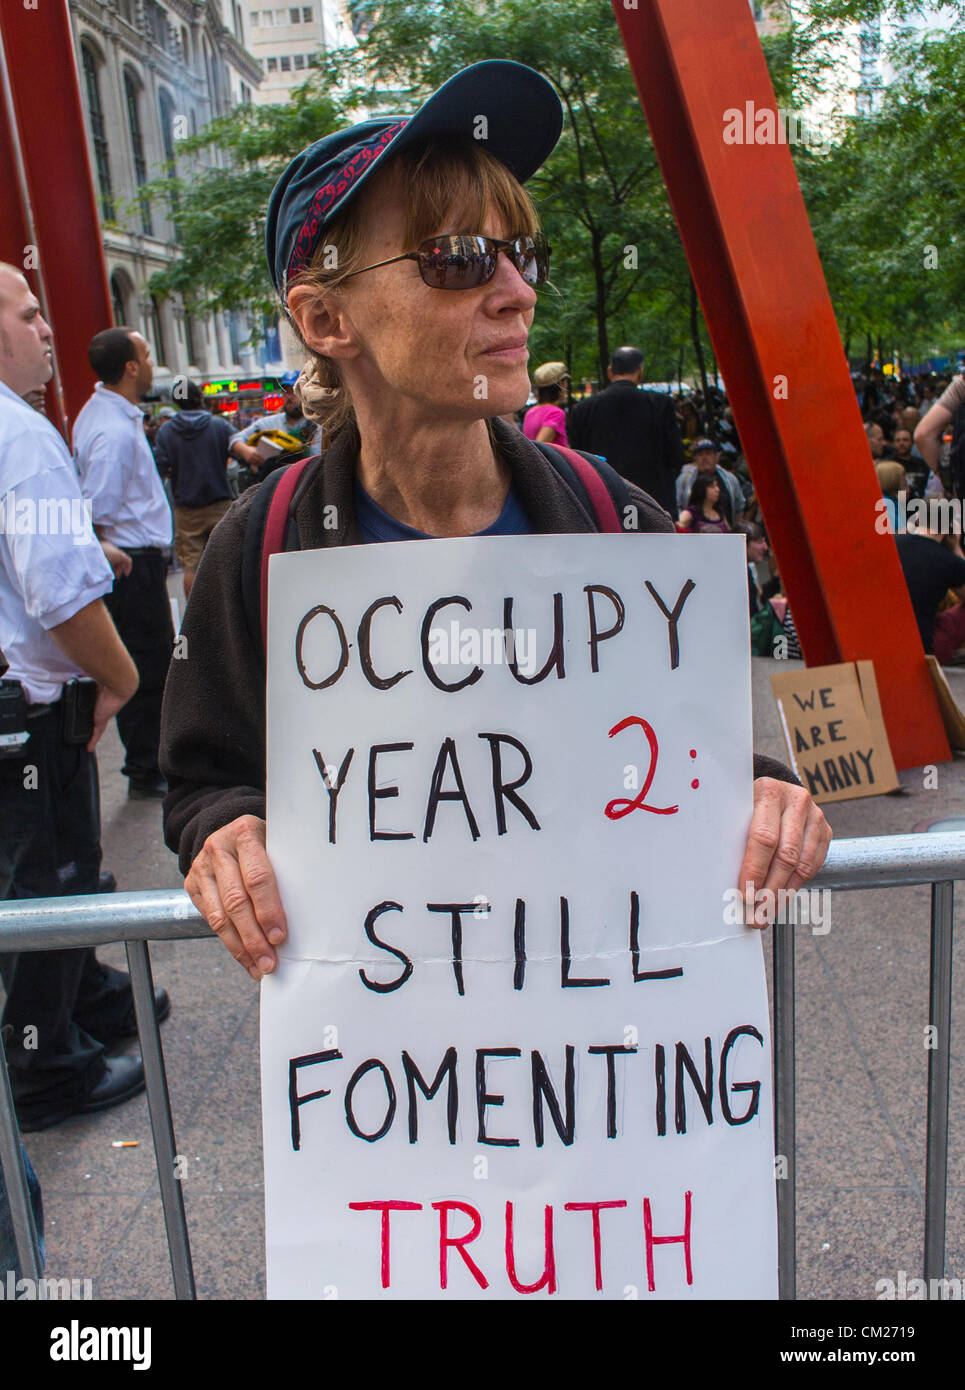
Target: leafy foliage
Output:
{"points": [[889, 189]]}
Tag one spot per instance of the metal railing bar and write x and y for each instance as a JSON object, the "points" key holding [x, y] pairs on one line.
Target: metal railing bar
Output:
{"points": [[162, 1123], [910, 859], [98, 919], [939, 1067], [15, 1181], [785, 1127], [168, 914]]}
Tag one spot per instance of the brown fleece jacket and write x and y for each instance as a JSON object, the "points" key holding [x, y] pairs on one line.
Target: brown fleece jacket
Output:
{"points": [[213, 719]]}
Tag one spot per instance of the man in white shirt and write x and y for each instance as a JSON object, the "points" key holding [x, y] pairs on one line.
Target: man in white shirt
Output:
{"points": [[62, 1007], [132, 517]]}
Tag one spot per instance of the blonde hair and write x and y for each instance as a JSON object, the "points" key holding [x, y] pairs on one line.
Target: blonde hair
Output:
{"points": [[891, 476], [445, 181]]}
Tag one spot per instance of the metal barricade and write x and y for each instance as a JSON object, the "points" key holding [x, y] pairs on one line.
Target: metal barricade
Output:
{"points": [[888, 861]]}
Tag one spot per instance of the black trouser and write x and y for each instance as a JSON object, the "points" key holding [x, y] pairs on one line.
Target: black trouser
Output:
{"points": [[141, 609], [50, 847]]}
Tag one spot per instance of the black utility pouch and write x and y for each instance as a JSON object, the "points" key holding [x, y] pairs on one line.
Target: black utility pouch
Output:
{"points": [[77, 712], [13, 719]]}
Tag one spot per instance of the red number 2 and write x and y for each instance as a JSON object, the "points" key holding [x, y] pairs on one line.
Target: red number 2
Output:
{"points": [[622, 807]]}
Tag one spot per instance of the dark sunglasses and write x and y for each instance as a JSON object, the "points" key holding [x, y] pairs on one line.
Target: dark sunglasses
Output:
{"points": [[463, 262]]}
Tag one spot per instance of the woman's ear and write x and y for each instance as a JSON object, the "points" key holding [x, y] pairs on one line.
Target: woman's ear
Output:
{"points": [[322, 321]]}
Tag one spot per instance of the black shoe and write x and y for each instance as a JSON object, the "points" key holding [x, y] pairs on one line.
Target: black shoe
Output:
{"points": [[127, 1026], [123, 1078], [107, 883], [153, 790]]}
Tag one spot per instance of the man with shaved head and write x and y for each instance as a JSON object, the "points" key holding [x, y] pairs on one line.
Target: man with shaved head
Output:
{"points": [[636, 431], [68, 674]]}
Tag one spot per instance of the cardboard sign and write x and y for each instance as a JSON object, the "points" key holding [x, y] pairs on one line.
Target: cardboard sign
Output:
{"points": [[952, 716], [835, 735], [517, 1044]]}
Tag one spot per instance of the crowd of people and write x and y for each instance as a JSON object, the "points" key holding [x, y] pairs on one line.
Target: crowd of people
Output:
{"points": [[684, 450]]}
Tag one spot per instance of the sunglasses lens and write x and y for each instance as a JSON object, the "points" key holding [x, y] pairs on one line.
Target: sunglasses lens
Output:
{"points": [[457, 262], [531, 257]]}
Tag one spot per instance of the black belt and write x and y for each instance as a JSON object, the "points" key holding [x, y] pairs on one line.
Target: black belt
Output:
{"points": [[140, 549]]}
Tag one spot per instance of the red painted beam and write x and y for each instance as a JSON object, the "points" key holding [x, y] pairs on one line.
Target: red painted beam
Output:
{"points": [[746, 233], [56, 191]]}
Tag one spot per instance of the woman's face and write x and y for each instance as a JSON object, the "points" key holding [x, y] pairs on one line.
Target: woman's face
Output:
{"points": [[411, 351], [713, 493]]}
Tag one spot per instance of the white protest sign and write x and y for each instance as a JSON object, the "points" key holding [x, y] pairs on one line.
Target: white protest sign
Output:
{"points": [[517, 1043]]}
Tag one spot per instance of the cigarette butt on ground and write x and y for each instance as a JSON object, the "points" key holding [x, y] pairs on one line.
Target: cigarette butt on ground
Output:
{"points": [[124, 1143]]}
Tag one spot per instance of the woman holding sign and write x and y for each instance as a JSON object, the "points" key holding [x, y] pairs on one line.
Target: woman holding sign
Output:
{"points": [[408, 257]]}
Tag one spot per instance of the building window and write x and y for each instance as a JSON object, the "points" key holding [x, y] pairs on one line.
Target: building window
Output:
{"points": [[166, 106], [299, 60], [124, 9], [245, 94], [117, 301], [306, 14], [255, 18], [272, 64], [98, 134], [157, 24], [268, 16], [155, 331], [294, 16], [137, 148], [191, 341], [166, 112], [286, 63]]}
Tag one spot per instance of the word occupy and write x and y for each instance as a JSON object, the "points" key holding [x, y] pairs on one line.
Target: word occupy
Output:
{"points": [[317, 678]]}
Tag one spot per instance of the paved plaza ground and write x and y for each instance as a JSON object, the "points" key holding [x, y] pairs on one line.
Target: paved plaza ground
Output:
{"points": [[862, 992]]}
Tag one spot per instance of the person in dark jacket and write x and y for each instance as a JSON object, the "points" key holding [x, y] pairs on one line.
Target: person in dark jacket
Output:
{"points": [[635, 431], [192, 450], [416, 451]]}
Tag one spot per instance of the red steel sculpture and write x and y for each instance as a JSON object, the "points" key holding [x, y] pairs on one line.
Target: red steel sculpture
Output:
{"points": [[745, 230], [51, 228]]}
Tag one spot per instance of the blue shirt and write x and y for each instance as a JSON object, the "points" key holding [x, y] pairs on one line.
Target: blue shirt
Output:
{"points": [[377, 525]]}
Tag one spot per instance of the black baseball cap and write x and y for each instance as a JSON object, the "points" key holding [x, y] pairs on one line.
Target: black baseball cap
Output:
{"points": [[522, 122]]}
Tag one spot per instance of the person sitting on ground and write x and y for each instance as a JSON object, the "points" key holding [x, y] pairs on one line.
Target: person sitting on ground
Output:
{"points": [[706, 459], [931, 568], [757, 552], [701, 512], [891, 477], [545, 421]]}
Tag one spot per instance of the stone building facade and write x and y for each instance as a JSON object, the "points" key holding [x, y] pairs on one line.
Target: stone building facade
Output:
{"points": [[152, 72]]}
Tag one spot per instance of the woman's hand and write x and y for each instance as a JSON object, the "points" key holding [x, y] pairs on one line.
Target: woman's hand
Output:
{"points": [[786, 844], [232, 884]]}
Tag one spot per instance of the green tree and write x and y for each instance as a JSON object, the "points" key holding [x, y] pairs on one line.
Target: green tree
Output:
{"points": [[220, 206], [600, 194]]}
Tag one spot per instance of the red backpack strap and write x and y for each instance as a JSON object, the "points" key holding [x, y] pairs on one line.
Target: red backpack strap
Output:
{"points": [[595, 488], [276, 523]]}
